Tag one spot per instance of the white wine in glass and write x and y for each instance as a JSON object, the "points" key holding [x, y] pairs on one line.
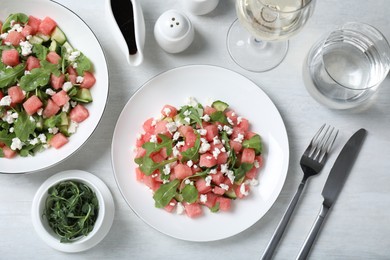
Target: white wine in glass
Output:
{"points": [[257, 40]]}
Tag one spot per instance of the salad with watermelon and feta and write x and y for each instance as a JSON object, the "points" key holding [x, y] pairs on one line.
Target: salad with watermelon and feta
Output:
{"points": [[44, 86], [197, 156]]}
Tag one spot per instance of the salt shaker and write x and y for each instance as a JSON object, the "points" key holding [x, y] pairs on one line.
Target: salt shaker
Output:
{"points": [[173, 31], [200, 7]]}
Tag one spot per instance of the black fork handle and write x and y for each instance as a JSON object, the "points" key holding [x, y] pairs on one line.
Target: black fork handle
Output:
{"points": [[269, 251]]}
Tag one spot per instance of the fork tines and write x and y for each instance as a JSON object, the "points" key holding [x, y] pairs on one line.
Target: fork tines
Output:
{"points": [[321, 143]]}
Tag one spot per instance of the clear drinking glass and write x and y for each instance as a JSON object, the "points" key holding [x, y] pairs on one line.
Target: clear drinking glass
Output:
{"points": [[345, 68], [257, 40]]}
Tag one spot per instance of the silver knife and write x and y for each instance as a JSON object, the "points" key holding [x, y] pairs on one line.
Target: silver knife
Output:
{"points": [[337, 176]]}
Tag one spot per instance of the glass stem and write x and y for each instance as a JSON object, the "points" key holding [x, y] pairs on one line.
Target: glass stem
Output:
{"points": [[257, 43]]}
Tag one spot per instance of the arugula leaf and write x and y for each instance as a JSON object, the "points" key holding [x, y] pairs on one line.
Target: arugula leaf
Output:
{"points": [[9, 76], [40, 51], [24, 126], [6, 137], [165, 193], [39, 77], [83, 64], [190, 193], [194, 114], [1, 153], [219, 116], [18, 17], [193, 152], [151, 147], [232, 155], [71, 210], [215, 208], [148, 166], [254, 143], [52, 121], [240, 172]]}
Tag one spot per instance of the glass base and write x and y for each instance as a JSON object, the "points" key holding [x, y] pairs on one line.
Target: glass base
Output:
{"points": [[252, 54]]}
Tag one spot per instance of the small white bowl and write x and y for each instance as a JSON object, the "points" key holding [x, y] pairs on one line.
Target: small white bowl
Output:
{"points": [[173, 31], [200, 7], [102, 225]]}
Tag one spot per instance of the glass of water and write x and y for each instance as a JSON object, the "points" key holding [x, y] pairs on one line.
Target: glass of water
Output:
{"points": [[345, 68]]}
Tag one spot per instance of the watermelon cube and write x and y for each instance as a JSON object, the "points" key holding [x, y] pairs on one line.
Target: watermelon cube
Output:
{"points": [[53, 57], [32, 104], [51, 109], [60, 98], [14, 38], [209, 110], [72, 78], [161, 128], [218, 190], [222, 158], [202, 187], [238, 190], [71, 71], [171, 205], [10, 57], [232, 116], [248, 155], [211, 198], [8, 152], [139, 174], [169, 111], [236, 146], [193, 210], [184, 129], [151, 182], [58, 140], [47, 26], [34, 23], [182, 171], [79, 113], [224, 203], [252, 173], [157, 158], [57, 82], [32, 63], [88, 81], [217, 178], [207, 160], [190, 139], [16, 94], [27, 30], [212, 131], [148, 126], [140, 152], [244, 125]]}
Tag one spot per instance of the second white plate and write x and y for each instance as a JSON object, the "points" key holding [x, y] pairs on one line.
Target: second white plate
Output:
{"points": [[202, 82]]}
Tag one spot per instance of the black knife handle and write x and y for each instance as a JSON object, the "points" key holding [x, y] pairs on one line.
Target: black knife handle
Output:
{"points": [[313, 234]]}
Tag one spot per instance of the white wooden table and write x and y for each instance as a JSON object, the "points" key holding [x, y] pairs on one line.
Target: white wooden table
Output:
{"points": [[358, 226]]}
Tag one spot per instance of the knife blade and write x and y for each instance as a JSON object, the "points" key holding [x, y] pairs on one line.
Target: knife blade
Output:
{"points": [[333, 185]]}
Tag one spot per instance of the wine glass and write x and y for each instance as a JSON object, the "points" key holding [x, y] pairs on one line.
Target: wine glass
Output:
{"points": [[257, 40]]}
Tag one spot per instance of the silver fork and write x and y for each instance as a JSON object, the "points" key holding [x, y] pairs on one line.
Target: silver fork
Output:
{"points": [[312, 162]]}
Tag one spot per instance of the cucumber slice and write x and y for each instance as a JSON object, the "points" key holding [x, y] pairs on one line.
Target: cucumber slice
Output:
{"points": [[68, 47], [64, 119], [231, 194], [54, 46], [44, 37], [36, 40], [220, 105], [64, 130], [83, 95], [58, 35]]}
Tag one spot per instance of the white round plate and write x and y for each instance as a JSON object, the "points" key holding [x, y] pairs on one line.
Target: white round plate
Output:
{"points": [[82, 38], [93, 238], [202, 82]]}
